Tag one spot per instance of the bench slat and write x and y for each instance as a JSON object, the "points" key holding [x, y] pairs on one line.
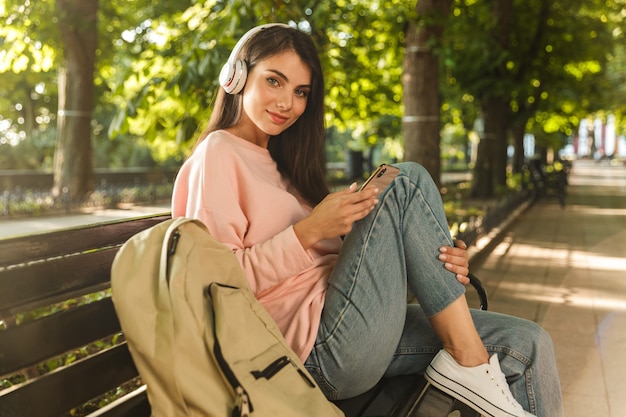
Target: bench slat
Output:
{"points": [[134, 404], [26, 345], [78, 239], [55, 393], [42, 283]]}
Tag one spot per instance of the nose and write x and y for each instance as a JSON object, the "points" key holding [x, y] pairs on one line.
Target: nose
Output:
{"points": [[285, 101]]}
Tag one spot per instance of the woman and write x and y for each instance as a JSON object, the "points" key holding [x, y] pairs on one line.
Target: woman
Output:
{"points": [[256, 179]]}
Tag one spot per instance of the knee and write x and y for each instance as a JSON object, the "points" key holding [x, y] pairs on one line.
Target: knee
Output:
{"points": [[538, 336], [534, 342], [544, 347], [412, 169], [417, 174]]}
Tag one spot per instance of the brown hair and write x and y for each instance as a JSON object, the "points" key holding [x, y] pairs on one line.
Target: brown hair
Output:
{"points": [[298, 151]]}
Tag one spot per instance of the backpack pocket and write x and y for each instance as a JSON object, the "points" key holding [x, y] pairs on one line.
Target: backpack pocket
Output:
{"points": [[258, 357]]}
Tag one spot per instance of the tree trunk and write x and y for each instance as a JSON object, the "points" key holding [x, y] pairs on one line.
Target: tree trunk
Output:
{"points": [[501, 132], [518, 131], [490, 169], [482, 179], [422, 102], [73, 166]]}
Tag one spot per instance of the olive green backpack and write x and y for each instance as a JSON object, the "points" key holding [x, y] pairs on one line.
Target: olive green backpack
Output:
{"points": [[202, 343]]}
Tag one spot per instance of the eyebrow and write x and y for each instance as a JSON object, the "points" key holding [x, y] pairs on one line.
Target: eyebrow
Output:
{"points": [[283, 76]]}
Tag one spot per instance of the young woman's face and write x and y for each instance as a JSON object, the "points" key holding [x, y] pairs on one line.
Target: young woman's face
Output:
{"points": [[274, 97]]}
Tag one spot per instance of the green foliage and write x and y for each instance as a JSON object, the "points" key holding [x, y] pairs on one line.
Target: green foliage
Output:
{"points": [[36, 153], [367, 38], [158, 63], [28, 59], [167, 95], [552, 63]]}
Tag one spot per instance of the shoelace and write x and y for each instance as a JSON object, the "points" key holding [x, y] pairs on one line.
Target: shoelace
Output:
{"points": [[501, 384]]}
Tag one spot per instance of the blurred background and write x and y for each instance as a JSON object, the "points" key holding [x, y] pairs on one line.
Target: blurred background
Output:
{"points": [[101, 101]]}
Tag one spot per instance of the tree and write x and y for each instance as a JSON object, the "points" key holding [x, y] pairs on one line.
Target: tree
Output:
{"points": [[422, 102], [49, 44], [523, 55], [27, 73], [73, 169], [359, 44], [45, 32], [535, 66]]}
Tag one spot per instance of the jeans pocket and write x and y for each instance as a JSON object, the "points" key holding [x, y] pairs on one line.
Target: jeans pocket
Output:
{"points": [[327, 388]]}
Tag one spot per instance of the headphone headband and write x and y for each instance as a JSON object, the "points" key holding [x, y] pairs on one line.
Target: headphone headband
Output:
{"points": [[234, 73]]}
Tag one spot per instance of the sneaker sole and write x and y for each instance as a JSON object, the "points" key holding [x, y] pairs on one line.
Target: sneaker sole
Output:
{"points": [[461, 393]]}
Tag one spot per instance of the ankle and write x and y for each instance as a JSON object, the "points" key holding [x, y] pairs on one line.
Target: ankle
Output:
{"points": [[469, 357]]}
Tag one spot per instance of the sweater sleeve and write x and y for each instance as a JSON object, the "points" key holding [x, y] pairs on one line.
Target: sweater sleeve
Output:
{"points": [[230, 195], [267, 263]]}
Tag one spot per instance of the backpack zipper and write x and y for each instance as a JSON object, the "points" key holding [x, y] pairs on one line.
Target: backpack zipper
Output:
{"points": [[243, 405], [275, 367], [172, 244]]}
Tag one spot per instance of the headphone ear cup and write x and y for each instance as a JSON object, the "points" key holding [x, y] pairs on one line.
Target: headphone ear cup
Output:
{"points": [[226, 75], [233, 76], [241, 76]]}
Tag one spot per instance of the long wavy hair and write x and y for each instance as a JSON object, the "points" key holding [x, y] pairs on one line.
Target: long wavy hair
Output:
{"points": [[298, 151]]}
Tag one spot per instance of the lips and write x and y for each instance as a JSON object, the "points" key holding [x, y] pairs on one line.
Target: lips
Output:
{"points": [[278, 118]]}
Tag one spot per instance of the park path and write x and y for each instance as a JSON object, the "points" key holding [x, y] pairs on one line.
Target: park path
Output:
{"points": [[566, 269]]}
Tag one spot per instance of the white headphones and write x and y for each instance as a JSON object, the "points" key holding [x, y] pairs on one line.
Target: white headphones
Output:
{"points": [[234, 73]]}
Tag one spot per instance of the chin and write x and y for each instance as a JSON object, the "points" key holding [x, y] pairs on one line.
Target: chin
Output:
{"points": [[275, 131]]}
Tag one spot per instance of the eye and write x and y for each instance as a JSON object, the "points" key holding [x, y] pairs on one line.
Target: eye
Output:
{"points": [[302, 93], [272, 81]]}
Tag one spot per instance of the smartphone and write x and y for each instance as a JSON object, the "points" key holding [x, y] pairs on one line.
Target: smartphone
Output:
{"points": [[381, 177]]}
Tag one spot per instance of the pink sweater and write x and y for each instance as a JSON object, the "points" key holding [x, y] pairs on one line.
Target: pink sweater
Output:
{"points": [[234, 187]]}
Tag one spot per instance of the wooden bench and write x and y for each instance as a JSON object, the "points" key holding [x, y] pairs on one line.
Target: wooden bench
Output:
{"points": [[62, 352]]}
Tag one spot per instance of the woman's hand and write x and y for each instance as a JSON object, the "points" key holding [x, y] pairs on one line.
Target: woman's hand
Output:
{"points": [[456, 259], [335, 215]]}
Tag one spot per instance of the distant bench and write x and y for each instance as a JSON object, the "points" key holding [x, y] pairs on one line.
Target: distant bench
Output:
{"points": [[61, 347]]}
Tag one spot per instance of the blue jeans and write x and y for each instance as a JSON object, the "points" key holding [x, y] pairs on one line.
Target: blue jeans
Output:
{"points": [[368, 331]]}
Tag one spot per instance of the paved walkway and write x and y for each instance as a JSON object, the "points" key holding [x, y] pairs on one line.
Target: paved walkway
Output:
{"points": [[566, 269], [27, 225]]}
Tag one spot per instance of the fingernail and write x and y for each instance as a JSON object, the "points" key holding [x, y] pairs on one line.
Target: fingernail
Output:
{"points": [[353, 185]]}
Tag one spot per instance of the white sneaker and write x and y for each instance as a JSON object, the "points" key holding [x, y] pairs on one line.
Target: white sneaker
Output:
{"points": [[483, 388]]}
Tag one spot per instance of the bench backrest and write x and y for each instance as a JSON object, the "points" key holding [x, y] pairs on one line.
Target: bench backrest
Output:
{"points": [[60, 360], [60, 340]]}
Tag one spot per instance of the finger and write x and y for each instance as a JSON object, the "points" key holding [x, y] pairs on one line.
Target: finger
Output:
{"points": [[463, 279], [366, 196], [362, 209], [456, 268], [453, 251], [462, 260], [460, 244]]}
